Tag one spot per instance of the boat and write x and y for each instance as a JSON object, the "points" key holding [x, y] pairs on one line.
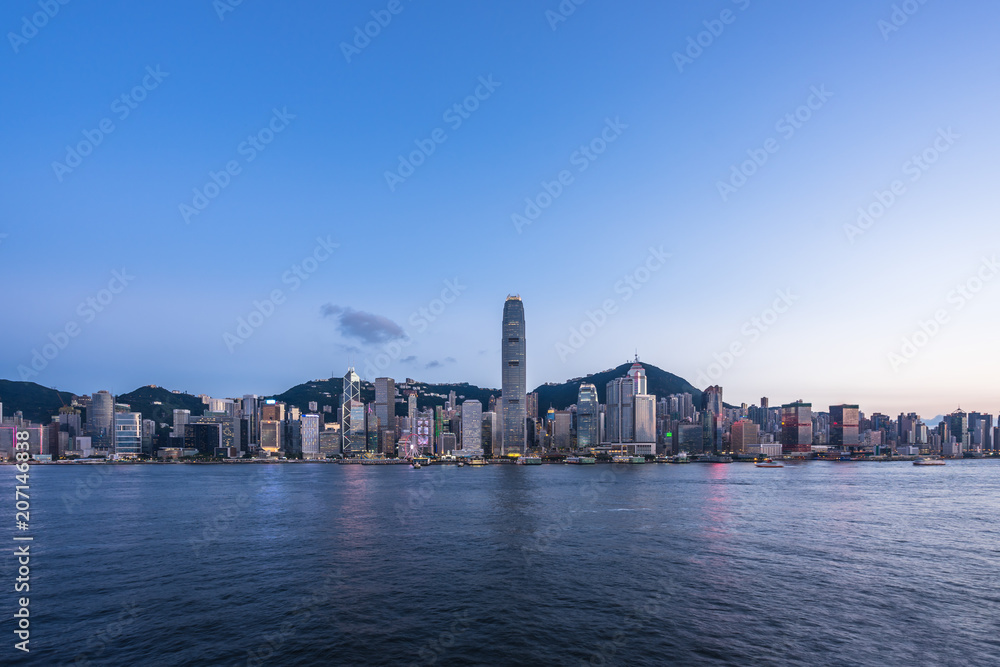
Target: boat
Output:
{"points": [[928, 462], [581, 460], [768, 463], [714, 458], [416, 465], [461, 463], [478, 462], [529, 461], [629, 459]]}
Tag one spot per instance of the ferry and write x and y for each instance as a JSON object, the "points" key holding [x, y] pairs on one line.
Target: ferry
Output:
{"points": [[529, 461], [768, 463], [478, 462], [581, 460], [630, 459], [928, 462]]}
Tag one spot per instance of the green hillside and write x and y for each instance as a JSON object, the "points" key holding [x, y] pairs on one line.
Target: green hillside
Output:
{"points": [[658, 382], [36, 402]]}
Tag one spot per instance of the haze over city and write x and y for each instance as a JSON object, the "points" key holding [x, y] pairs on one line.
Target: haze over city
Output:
{"points": [[629, 138]]}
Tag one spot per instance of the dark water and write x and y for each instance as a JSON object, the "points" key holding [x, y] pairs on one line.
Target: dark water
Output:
{"points": [[813, 564]]}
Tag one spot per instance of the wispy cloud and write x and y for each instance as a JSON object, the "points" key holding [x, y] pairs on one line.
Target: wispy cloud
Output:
{"points": [[366, 327]]}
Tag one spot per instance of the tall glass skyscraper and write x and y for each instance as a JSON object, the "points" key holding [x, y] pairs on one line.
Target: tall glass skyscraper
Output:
{"points": [[101, 420], [351, 444], [513, 373], [587, 417]]}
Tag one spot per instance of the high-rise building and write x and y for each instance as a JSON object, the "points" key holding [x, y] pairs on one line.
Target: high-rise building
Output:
{"points": [[181, 418], [350, 444], [796, 428], [472, 428], [844, 426], [100, 420], [385, 411], [630, 421], [711, 400], [743, 436], [271, 437], [514, 377], [310, 436], [128, 434], [531, 405], [587, 417]]}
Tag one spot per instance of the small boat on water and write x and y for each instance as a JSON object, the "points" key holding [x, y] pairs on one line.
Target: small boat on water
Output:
{"points": [[928, 462], [581, 460], [768, 463], [529, 461], [416, 465]]}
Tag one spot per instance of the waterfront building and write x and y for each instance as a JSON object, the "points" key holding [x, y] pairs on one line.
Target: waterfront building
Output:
{"points": [[796, 428], [351, 431], [128, 434], [472, 428], [514, 376], [587, 417], [310, 436], [100, 420], [743, 436], [385, 411], [844, 426]]}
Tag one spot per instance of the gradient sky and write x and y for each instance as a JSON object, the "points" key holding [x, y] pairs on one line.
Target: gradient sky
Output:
{"points": [[655, 186]]}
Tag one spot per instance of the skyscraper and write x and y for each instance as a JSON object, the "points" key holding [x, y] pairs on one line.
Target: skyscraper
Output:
{"points": [[711, 400], [631, 413], [844, 426], [310, 436], [796, 428], [100, 420], [514, 378], [472, 428], [348, 429], [743, 436], [385, 411], [587, 417], [128, 434]]}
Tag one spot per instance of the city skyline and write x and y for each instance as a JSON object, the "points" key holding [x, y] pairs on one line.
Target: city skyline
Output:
{"points": [[625, 196]]}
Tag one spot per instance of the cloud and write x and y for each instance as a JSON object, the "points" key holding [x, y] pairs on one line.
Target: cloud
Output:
{"points": [[434, 364], [366, 327], [409, 360], [449, 360]]}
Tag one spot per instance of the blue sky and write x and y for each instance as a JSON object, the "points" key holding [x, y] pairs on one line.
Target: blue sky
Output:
{"points": [[336, 124]]}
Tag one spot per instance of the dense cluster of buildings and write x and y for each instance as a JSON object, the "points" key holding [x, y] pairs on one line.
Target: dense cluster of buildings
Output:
{"points": [[629, 421]]}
